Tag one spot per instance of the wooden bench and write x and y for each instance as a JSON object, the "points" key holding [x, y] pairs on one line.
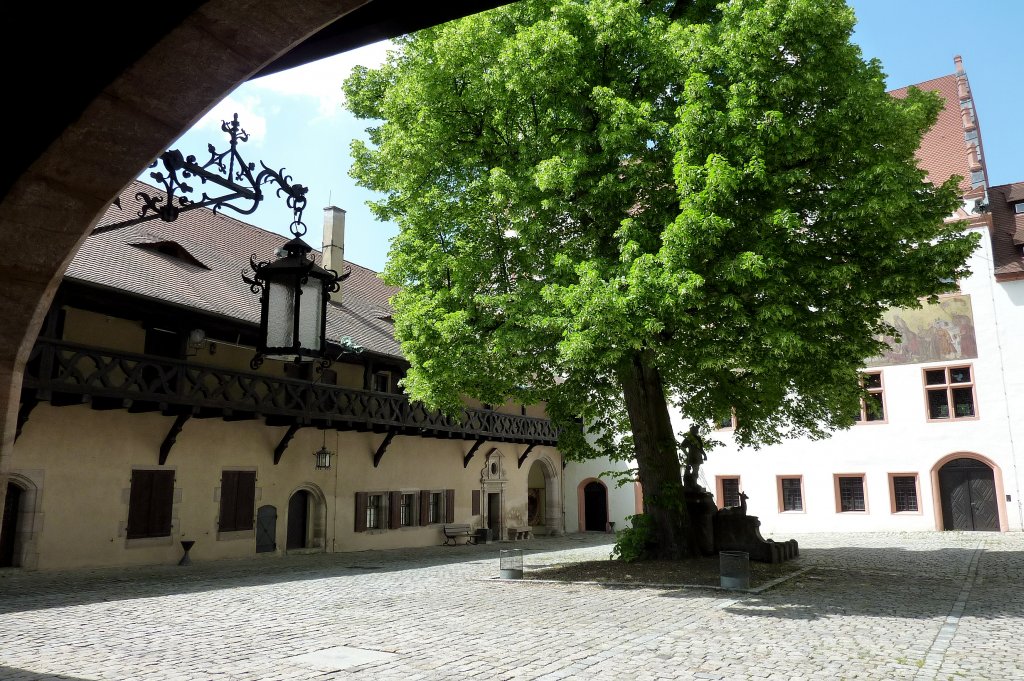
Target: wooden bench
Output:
{"points": [[452, 532]]}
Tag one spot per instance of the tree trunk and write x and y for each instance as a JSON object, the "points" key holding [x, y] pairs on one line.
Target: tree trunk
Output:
{"points": [[656, 456]]}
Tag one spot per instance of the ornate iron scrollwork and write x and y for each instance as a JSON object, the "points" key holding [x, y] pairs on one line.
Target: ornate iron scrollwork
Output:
{"points": [[226, 169]]}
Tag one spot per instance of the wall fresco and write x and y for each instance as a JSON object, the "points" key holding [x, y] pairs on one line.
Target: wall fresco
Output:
{"points": [[934, 333]]}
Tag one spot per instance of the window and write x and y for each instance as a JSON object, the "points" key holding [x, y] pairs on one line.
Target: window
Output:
{"points": [[850, 493], [726, 421], [437, 506], [903, 488], [149, 504], [791, 494], [872, 405], [1018, 207], [406, 505], [728, 491], [374, 511], [382, 382], [950, 393], [237, 500]]}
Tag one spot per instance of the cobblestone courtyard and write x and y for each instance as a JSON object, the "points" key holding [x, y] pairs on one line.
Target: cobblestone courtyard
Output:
{"points": [[946, 606]]}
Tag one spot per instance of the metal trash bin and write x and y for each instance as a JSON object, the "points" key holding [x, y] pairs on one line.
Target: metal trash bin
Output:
{"points": [[734, 568], [510, 563]]}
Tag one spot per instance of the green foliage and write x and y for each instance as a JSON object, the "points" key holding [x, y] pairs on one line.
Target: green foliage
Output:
{"points": [[725, 188], [729, 187], [635, 542]]}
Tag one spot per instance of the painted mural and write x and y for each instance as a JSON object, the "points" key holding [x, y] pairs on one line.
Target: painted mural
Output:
{"points": [[933, 333]]}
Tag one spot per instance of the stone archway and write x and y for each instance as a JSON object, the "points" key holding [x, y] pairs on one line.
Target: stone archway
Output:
{"points": [[592, 500], [306, 520], [18, 522], [967, 491], [544, 483], [51, 207]]}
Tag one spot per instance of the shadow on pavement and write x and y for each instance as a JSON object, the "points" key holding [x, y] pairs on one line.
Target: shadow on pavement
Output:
{"points": [[27, 590]]}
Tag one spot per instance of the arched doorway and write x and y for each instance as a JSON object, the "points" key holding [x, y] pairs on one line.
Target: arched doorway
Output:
{"points": [[9, 527], [967, 490], [298, 520], [536, 497], [595, 507]]}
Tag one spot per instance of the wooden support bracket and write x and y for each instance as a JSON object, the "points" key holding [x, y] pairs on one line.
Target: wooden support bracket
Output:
{"points": [[525, 454], [283, 444], [172, 436], [471, 452], [383, 448]]}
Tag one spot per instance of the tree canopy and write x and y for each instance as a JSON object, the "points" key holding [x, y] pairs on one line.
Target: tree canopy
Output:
{"points": [[617, 206]]}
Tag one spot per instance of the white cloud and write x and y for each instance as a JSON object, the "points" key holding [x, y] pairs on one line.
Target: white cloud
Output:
{"points": [[248, 109], [322, 79]]}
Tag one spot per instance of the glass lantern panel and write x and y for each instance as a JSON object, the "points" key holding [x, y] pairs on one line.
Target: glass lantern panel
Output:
{"points": [[310, 309], [280, 316]]}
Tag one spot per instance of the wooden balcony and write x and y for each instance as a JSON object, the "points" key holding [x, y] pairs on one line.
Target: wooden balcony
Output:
{"points": [[66, 373]]}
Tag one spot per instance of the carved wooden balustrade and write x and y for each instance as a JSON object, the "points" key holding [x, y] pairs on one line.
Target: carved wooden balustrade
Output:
{"points": [[66, 373]]}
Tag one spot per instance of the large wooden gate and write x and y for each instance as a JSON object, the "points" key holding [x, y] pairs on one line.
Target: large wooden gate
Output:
{"points": [[968, 491]]}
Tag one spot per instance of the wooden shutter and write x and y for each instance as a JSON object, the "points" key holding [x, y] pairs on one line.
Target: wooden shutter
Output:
{"points": [[245, 500], [149, 504], [425, 507], [395, 509], [361, 511], [449, 505], [138, 504], [228, 489], [476, 502]]}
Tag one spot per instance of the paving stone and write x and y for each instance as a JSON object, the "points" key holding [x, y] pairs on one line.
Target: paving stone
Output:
{"points": [[871, 606]]}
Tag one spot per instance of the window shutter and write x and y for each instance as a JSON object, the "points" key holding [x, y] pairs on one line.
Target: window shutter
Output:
{"points": [[476, 502], [138, 504], [425, 507], [163, 500], [228, 489], [361, 511], [449, 505], [245, 500], [395, 509]]}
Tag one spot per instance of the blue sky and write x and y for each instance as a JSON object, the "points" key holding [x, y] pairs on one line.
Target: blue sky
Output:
{"points": [[297, 121]]}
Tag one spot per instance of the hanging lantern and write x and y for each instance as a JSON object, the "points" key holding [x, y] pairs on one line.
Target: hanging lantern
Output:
{"points": [[323, 458], [293, 305]]}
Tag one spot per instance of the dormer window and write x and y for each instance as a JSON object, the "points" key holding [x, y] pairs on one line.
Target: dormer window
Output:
{"points": [[172, 249]]}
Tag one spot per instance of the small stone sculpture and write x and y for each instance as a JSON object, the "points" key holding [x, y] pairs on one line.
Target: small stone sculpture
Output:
{"points": [[693, 451]]}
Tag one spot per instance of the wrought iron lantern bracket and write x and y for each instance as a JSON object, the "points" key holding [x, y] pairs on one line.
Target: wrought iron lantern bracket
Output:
{"points": [[241, 185]]}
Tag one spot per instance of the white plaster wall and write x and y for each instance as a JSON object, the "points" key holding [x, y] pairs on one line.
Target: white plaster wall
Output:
{"points": [[907, 442], [621, 500]]}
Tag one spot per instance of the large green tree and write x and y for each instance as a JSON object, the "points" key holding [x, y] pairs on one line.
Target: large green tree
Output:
{"points": [[623, 208]]}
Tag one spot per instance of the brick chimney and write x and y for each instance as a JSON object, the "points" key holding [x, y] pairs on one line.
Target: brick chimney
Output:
{"points": [[334, 244]]}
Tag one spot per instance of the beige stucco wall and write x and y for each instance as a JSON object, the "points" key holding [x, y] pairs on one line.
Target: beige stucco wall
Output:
{"points": [[101, 331], [81, 461]]}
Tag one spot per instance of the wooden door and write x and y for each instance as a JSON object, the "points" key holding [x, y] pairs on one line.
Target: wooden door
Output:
{"points": [[595, 507], [10, 525], [298, 520], [266, 529], [494, 514], [968, 492]]}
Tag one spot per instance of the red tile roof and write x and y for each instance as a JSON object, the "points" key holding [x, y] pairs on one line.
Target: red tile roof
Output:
{"points": [[943, 152], [127, 259]]}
